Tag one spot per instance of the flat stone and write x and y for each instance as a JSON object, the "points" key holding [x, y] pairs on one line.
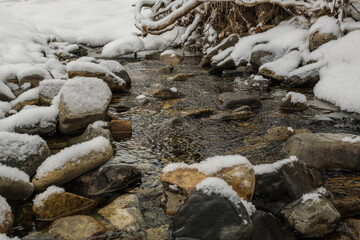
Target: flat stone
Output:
{"points": [[199, 113], [77, 227], [173, 202], [108, 179], [120, 129], [165, 94], [325, 151], [181, 77], [63, 204], [266, 72], [33, 79], [211, 218], [234, 100]]}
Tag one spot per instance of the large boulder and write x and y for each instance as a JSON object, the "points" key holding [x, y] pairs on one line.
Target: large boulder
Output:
{"points": [[280, 183], [93, 70], [14, 184], [82, 101], [326, 151], [55, 203], [77, 227], [313, 215], [211, 217], [108, 179], [72, 162], [22, 151], [6, 217], [267, 227], [234, 100]]}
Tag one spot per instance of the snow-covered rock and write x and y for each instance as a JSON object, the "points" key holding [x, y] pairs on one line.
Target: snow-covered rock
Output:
{"points": [[322, 31], [6, 217], [5, 92], [83, 101], [29, 97], [123, 46], [117, 69], [170, 57], [5, 107], [14, 183], [293, 102], [93, 70], [72, 162], [49, 89], [22, 151]]}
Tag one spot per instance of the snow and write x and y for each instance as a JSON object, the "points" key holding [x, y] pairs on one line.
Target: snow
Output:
{"points": [[141, 96], [174, 89], [210, 165], [339, 78], [314, 195], [290, 129], [4, 208], [29, 95], [72, 154], [326, 24], [5, 90], [273, 167], [19, 146], [82, 95], [4, 237], [13, 173], [112, 66], [295, 97], [42, 197], [4, 108], [50, 88], [123, 46], [172, 53], [285, 64], [99, 124], [354, 139], [218, 186], [91, 22]]}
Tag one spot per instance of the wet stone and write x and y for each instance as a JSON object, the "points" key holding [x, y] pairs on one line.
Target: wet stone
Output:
{"points": [[234, 100], [165, 94]]}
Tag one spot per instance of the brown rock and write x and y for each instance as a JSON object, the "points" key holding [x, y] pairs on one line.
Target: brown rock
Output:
{"points": [[181, 77], [7, 224], [165, 94], [271, 74], [15, 189], [34, 80], [110, 80], [161, 232], [317, 39], [234, 100], [63, 204], [173, 202], [259, 58], [171, 58], [288, 106], [20, 105], [120, 129], [199, 113], [77, 227]]}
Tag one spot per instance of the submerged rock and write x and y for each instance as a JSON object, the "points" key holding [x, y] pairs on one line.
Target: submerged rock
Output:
{"points": [[108, 179], [326, 151], [313, 215], [234, 100], [211, 218], [120, 129], [77, 227]]}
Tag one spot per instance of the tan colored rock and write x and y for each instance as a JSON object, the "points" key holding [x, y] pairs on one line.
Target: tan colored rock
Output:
{"points": [[181, 77], [20, 105], [34, 80], [199, 113], [173, 202], [271, 74], [77, 227], [90, 132], [317, 39], [161, 232], [7, 224], [73, 169], [170, 57], [120, 129], [110, 80], [63, 204]]}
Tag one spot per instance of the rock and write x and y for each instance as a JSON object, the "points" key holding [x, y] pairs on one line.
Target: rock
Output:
{"points": [[266, 72], [311, 216], [261, 57], [173, 202], [326, 151], [72, 166], [120, 129], [166, 93], [82, 101], [219, 67], [14, 184], [307, 74], [167, 69], [267, 227], [6, 93], [234, 100], [257, 82], [226, 222], [80, 51], [91, 132], [42, 236], [49, 89], [170, 57], [124, 213], [161, 232], [77, 227], [291, 104], [181, 77], [346, 191], [33, 79], [198, 113], [116, 68], [236, 115], [317, 39], [61, 205], [23, 151], [7, 218], [108, 179], [123, 74], [275, 189]]}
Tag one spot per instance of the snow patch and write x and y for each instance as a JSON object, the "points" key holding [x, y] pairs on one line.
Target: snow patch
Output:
{"points": [[42, 197], [99, 124], [326, 24], [14, 174], [273, 167], [314, 195], [123, 46], [354, 139], [295, 97]]}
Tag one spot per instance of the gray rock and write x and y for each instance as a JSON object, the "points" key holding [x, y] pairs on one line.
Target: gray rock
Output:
{"points": [[211, 218], [22, 151], [307, 74], [325, 151], [313, 216], [261, 57], [14, 190], [90, 133], [234, 100]]}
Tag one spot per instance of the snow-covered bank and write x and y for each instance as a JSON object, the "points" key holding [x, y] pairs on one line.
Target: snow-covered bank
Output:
{"points": [[82, 21]]}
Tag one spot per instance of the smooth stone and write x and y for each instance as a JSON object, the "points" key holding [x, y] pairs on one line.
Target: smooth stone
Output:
{"points": [[77, 227], [173, 202], [63, 204], [165, 94], [314, 217], [108, 179], [211, 218], [325, 151], [307, 74], [198, 113], [171, 58], [14, 190], [33, 79], [234, 100], [90, 132], [21, 105], [181, 77], [120, 129], [268, 73]]}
